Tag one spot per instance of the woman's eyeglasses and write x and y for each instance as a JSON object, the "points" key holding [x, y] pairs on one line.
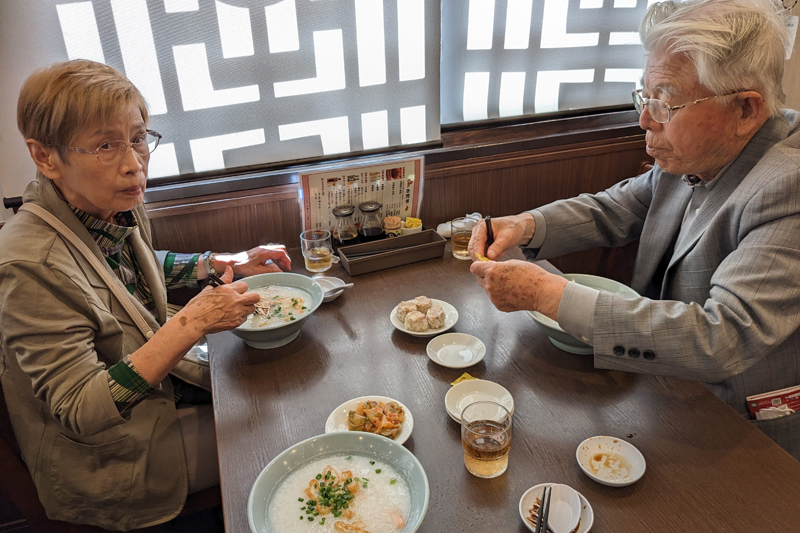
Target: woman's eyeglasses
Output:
{"points": [[661, 111], [112, 152]]}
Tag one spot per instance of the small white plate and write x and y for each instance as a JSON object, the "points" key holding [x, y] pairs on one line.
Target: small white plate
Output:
{"points": [[329, 283], [609, 447], [475, 390], [526, 503], [450, 319], [337, 421], [456, 350], [565, 507]]}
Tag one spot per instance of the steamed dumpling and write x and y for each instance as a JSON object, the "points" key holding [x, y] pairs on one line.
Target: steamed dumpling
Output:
{"points": [[436, 317], [423, 303], [416, 321]]}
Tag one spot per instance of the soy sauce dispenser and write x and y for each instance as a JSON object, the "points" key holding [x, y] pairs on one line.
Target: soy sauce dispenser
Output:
{"points": [[371, 227], [344, 231]]}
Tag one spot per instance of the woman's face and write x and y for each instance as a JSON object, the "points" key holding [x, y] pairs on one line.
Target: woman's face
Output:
{"points": [[98, 189]]}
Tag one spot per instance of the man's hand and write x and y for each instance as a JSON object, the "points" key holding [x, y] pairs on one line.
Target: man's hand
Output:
{"points": [[254, 261], [518, 285], [508, 232]]}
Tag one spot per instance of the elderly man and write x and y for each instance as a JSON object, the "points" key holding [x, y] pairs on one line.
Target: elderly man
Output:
{"points": [[718, 218]]}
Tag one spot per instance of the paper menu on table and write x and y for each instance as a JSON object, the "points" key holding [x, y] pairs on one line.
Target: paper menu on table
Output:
{"points": [[395, 184]]}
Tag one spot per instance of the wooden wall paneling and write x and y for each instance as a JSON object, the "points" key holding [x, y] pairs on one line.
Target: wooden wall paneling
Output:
{"points": [[228, 222], [232, 229]]}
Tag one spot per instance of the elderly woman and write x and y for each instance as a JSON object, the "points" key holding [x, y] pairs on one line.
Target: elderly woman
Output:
{"points": [[717, 218], [86, 348]]}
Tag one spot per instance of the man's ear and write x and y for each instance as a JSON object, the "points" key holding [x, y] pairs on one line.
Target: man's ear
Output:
{"points": [[46, 159], [753, 112]]}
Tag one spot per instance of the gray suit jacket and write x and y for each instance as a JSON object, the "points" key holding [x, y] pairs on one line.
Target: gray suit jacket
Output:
{"points": [[60, 328], [728, 312]]}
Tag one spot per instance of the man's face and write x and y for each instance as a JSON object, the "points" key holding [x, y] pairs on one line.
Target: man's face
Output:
{"points": [[699, 139]]}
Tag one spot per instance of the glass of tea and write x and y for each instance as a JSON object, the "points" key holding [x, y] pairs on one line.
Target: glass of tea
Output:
{"points": [[317, 249], [486, 438], [460, 234]]}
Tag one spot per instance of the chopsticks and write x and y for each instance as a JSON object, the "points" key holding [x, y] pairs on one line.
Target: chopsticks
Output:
{"points": [[544, 511], [214, 280], [489, 234], [367, 253]]}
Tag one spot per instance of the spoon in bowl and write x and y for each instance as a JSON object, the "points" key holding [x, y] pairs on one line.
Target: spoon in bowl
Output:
{"points": [[331, 292]]}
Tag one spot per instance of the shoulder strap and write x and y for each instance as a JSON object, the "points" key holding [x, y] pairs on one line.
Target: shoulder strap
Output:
{"points": [[101, 270]]}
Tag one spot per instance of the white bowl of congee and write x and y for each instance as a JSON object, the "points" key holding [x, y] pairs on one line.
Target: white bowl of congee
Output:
{"points": [[340, 482], [287, 300]]}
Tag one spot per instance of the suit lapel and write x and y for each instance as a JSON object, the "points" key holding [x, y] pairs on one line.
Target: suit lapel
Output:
{"points": [[773, 131], [663, 222]]}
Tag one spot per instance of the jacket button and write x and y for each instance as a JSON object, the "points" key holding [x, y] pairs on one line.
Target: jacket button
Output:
{"points": [[619, 350], [649, 355], [634, 352]]}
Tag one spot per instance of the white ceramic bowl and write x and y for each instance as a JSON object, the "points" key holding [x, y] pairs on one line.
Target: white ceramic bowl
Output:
{"points": [[561, 338], [450, 319], [409, 231], [586, 518], [273, 337], [346, 443], [564, 512], [475, 390], [337, 420], [456, 350], [604, 451], [329, 283]]}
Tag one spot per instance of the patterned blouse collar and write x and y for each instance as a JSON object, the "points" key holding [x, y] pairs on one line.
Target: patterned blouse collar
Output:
{"points": [[108, 236]]}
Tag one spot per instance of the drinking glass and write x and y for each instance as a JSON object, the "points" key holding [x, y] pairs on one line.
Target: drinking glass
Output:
{"points": [[317, 249], [460, 234], [486, 438]]}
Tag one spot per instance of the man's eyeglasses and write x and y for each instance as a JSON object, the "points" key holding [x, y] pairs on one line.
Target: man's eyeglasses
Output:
{"points": [[661, 111], [112, 152]]}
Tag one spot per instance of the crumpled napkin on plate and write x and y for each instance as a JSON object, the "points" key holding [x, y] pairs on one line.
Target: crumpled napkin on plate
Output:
{"points": [[444, 228]]}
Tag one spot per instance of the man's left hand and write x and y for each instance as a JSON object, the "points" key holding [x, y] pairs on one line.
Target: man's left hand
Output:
{"points": [[254, 261], [518, 285]]}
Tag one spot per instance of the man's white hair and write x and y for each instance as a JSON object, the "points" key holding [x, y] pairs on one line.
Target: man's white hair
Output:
{"points": [[733, 44]]}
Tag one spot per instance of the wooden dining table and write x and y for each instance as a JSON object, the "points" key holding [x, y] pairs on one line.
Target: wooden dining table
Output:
{"points": [[708, 469]]}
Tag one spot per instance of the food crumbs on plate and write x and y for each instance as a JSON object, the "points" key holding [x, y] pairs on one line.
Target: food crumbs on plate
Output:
{"points": [[463, 377], [482, 258]]}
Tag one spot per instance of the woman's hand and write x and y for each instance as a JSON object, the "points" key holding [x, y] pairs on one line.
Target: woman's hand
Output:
{"points": [[220, 308], [254, 261], [508, 232]]}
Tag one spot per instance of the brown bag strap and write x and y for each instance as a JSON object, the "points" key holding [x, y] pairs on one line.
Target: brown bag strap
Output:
{"points": [[94, 261]]}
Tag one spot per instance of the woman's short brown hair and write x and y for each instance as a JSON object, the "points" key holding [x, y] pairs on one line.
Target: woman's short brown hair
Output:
{"points": [[58, 101]]}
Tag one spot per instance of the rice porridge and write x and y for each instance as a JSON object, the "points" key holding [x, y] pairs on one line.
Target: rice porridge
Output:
{"points": [[352, 493], [278, 305]]}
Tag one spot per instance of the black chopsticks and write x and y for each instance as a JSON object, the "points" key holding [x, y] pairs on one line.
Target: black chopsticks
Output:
{"points": [[489, 234], [214, 280], [544, 511]]}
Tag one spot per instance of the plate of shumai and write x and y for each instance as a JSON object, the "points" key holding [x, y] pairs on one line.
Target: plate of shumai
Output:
{"points": [[423, 316]]}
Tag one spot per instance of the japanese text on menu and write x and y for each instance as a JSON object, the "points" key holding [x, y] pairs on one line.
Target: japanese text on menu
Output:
{"points": [[396, 185]]}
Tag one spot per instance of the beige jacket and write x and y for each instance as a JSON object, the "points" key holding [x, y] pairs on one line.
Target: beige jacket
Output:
{"points": [[60, 329]]}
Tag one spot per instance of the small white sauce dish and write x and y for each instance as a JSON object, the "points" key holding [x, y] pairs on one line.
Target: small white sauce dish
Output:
{"points": [[456, 350], [565, 507], [475, 390], [569, 510], [606, 451], [329, 283]]}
